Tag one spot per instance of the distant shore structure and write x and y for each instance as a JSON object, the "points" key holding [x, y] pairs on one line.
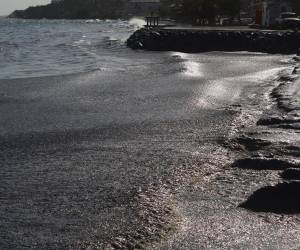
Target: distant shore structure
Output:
{"points": [[56, 1], [265, 12], [152, 21]]}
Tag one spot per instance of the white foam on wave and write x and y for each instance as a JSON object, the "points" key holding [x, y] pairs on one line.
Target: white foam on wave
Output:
{"points": [[137, 22]]}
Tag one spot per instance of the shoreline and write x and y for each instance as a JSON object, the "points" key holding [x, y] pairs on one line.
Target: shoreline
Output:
{"points": [[106, 175], [193, 40], [245, 154], [265, 163]]}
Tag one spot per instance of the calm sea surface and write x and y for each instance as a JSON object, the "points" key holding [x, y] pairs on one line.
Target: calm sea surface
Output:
{"points": [[87, 124]]}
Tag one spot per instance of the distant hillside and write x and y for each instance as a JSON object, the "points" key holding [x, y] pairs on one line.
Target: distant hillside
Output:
{"points": [[187, 10], [74, 9]]}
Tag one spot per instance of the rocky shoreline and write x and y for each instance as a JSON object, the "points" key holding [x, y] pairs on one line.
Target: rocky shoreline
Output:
{"points": [[263, 161], [158, 39], [273, 144], [266, 170], [266, 147]]}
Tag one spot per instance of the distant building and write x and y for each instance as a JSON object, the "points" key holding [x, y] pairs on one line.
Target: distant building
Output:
{"points": [[143, 7], [265, 12], [55, 1]]}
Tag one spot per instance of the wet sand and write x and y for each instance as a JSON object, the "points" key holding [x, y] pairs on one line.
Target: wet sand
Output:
{"points": [[127, 158], [253, 203]]}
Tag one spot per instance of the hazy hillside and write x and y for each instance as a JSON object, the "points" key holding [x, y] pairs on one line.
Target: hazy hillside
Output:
{"points": [[74, 9]]}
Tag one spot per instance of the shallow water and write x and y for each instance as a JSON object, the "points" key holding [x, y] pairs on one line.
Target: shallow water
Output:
{"points": [[76, 149], [30, 48]]}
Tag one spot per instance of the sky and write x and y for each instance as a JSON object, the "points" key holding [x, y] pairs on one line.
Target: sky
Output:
{"points": [[8, 6]]}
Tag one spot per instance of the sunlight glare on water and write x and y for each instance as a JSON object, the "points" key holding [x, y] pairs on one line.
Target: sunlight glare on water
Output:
{"points": [[191, 67]]}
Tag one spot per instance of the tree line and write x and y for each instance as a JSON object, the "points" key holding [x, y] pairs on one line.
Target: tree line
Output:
{"points": [[208, 11], [202, 11], [192, 11]]}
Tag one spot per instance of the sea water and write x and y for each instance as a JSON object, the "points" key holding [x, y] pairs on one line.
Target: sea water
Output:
{"points": [[31, 48]]}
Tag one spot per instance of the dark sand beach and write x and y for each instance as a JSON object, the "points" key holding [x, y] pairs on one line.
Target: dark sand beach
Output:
{"points": [[140, 149]]}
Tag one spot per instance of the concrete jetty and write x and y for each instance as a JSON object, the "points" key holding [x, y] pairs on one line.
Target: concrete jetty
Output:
{"points": [[215, 39]]}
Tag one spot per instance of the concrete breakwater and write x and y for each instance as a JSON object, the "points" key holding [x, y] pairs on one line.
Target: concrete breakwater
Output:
{"points": [[191, 40]]}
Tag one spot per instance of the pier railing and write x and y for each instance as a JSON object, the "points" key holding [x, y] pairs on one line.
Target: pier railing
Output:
{"points": [[152, 21]]}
